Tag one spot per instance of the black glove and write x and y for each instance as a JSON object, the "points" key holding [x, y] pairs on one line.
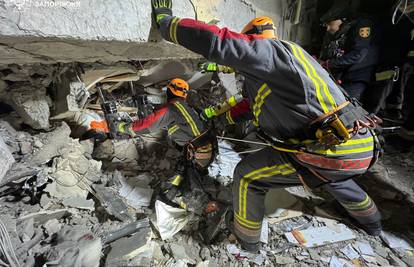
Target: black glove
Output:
{"points": [[161, 9]]}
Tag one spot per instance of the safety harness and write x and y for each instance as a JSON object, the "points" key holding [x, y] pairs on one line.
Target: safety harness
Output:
{"points": [[203, 148], [326, 132]]}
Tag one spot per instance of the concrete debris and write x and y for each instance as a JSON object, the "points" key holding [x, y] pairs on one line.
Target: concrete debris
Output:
{"points": [[75, 247], [6, 159], [183, 253], [27, 230], [76, 202], [125, 231], [396, 242], [53, 143], [162, 72], [338, 262], [124, 151], [319, 236], [207, 264], [199, 79], [127, 248], [364, 248], [350, 252], [282, 260], [170, 220], [52, 226], [395, 261], [32, 106], [72, 172], [43, 216], [112, 203], [135, 195]]}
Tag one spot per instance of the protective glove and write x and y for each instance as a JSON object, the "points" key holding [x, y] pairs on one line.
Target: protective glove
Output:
{"points": [[206, 67], [125, 128], [161, 9], [208, 113]]}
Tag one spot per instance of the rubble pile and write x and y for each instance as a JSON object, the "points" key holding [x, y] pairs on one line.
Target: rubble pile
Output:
{"points": [[71, 202]]}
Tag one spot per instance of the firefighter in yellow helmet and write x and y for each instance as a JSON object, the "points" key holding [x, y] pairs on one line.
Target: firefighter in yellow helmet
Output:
{"points": [[294, 103]]}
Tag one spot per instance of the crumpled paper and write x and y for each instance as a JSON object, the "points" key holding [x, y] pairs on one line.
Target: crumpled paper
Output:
{"points": [[170, 220]]}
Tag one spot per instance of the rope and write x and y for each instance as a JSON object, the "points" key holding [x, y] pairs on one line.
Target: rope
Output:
{"points": [[195, 9], [243, 141], [394, 16]]}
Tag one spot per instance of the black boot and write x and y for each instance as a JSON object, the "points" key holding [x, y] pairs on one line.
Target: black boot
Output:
{"points": [[250, 247]]}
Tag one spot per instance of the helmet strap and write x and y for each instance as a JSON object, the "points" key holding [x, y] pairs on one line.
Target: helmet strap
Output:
{"points": [[258, 29]]}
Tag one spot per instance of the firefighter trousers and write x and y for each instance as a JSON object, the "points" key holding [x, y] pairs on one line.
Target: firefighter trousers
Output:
{"points": [[269, 168]]}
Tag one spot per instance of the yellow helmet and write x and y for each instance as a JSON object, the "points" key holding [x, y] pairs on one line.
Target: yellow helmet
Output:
{"points": [[262, 26], [178, 87]]}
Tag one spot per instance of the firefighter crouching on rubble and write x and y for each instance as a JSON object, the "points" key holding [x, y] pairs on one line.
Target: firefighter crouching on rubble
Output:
{"points": [[185, 129], [292, 98]]}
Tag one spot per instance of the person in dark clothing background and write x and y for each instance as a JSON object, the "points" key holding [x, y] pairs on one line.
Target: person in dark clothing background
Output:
{"points": [[352, 53]]}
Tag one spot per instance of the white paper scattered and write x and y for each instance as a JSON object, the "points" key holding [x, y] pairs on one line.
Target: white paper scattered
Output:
{"points": [[170, 220], [395, 242], [337, 262], [364, 248], [318, 236], [350, 252], [233, 249], [264, 234]]}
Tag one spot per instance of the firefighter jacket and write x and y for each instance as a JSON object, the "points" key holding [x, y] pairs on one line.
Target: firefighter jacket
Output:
{"points": [[286, 88], [181, 121], [354, 51]]}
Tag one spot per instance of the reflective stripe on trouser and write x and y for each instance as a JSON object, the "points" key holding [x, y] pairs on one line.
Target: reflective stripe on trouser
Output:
{"points": [[358, 204], [267, 169]]}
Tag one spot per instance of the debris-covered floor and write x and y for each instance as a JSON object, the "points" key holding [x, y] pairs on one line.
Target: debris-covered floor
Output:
{"points": [[66, 202]]}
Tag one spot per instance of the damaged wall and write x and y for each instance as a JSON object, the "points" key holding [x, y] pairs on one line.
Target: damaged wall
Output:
{"points": [[86, 31]]}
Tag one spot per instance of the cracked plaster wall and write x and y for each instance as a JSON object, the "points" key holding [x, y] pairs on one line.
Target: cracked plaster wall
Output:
{"points": [[47, 31]]}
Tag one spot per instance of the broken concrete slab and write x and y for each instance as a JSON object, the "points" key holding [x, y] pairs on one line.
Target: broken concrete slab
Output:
{"points": [[6, 159], [163, 71], [43, 216], [183, 252], [76, 246], [72, 172], [128, 247], [125, 231], [53, 142], [79, 203], [112, 203], [32, 105]]}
